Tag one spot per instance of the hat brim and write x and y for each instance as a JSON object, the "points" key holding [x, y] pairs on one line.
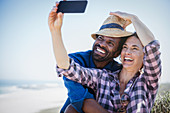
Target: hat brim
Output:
{"points": [[111, 33]]}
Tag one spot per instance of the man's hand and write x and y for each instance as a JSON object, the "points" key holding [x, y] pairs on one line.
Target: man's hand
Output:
{"points": [[55, 19]]}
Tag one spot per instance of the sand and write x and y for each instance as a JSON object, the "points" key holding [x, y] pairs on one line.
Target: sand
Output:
{"points": [[33, 101], [50, 110]]}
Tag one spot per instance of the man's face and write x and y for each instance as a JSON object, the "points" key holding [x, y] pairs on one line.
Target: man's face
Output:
{"points": [[105, 48]]}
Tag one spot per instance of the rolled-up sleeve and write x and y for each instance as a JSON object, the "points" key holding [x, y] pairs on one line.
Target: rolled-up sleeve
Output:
{"points": [[152, 64], [85, 76]]}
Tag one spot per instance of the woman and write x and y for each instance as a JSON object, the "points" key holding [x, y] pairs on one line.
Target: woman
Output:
{"points": [[132, 89]]}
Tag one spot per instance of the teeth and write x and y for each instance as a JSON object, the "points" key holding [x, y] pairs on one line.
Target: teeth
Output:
{"points": [[126, 58], [101, 51]]}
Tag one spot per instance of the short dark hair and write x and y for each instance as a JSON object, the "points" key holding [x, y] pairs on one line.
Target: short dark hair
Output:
{"points": [[134, 34], [119, 49]]}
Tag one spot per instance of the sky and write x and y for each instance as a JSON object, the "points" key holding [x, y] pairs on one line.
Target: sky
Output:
{"points": [[25, 42]]}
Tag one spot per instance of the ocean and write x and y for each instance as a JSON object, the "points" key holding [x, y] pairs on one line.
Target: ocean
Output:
{"points": [[21, 96], [9, 86]]}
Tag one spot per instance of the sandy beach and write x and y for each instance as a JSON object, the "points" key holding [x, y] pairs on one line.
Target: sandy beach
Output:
{"points": [[33, 101], [37, 98], [50, 110]]}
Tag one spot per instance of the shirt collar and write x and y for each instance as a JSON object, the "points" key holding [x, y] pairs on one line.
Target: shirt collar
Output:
{"points": [[91, 62], [115, 76]]}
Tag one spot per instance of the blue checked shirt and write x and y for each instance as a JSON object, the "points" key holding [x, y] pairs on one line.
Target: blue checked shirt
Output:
{"points": [[141, 89]]}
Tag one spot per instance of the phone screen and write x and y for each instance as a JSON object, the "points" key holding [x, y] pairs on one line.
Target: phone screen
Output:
{"points": [[72, 6]]}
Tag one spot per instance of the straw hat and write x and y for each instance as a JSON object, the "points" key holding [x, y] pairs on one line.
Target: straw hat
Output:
{"points": [[112, 27]]}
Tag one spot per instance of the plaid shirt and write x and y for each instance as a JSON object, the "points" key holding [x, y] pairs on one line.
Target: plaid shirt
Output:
{"points": [[142, 88]]}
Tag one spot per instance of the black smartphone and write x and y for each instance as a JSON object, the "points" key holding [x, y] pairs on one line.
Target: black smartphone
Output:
{"points": [[72, 6]]}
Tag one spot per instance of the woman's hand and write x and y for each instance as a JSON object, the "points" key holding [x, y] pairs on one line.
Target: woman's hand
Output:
{"points": [[125, 16], [144, 34], [55, 20]]}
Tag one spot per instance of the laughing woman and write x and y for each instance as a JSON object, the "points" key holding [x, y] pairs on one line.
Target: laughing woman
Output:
{"points": [[132, 89]]}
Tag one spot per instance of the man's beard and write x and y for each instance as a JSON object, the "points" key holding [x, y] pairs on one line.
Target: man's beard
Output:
{"points": [[106, 58]]}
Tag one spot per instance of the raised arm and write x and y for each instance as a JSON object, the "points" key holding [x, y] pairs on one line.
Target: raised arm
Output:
{"points": [[142, 31], [55, 23]]}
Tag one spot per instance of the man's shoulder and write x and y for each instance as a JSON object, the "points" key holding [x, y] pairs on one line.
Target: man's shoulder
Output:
{"points": [[82, 58], [113, 65], [81, 54], [116, 66]]}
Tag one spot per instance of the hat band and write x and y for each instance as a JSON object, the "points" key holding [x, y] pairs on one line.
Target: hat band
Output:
{"points": [[111, 25]]}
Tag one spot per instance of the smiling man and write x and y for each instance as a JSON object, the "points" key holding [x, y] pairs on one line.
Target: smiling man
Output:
{"points": [[107, 46], [108, 42], [105, 49]]}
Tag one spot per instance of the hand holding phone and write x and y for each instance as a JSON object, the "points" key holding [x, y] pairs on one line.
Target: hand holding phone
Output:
{"points": [[72, 6]]}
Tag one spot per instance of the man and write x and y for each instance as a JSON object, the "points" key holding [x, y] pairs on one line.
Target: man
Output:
{"points": [[107, 45]]}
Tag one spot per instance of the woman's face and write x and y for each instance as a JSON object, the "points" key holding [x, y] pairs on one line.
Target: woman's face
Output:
{"points": [[132, 54]]}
